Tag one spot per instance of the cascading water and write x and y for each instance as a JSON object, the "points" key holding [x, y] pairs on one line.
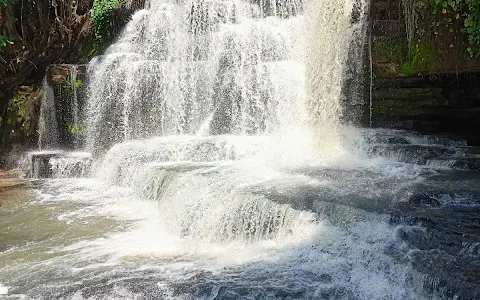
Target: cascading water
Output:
{"points": [[47, 125], [241, 68], [222, 169]]}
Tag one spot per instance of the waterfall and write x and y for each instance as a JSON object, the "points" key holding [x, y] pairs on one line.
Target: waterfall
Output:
{"points": [[332, 34], [205, 92], [218, 166], [224, 67]]}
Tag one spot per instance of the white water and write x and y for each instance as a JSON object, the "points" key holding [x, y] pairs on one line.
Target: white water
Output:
{"points": [[47, 126], [224, 67]]}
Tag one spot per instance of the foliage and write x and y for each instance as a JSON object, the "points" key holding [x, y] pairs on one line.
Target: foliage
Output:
{"points": [[16, 109], [4, 41], [76, 129], [100, 15], [4, 3], [71, 85], [465, 12]]}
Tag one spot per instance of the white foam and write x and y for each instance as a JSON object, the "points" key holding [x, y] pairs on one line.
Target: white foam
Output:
{"points": [[3, 289]]}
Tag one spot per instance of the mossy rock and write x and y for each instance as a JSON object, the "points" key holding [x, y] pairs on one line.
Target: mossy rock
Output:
{"points": [[389, 49], [422, 60]]}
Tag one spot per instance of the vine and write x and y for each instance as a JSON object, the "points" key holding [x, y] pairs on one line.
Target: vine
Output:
{"points": [[411, 15]]}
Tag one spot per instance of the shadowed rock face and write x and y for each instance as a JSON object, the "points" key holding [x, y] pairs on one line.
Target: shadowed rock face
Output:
{"points": [[446, 105], [69, 85], [120, 15]]}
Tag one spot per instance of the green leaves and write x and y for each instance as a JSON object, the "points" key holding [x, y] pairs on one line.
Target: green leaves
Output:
{"points": [[70, 86], [77, 83], [4, 42], [100, 15]]}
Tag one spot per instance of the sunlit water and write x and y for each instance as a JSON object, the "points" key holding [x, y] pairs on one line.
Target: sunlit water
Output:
{"points": [[168, 221]]}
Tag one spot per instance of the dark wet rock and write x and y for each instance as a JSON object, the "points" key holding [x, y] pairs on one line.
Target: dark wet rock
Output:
{"points": [[447, 275], [472, 163], [417, 154], [441, 96], [69, 94], [40, 166], [424, 200], [382, 138], [56, 164], [444, 232]]}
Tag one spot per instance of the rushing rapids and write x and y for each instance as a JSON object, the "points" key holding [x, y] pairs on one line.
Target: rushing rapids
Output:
{"points": [[216, 166]]}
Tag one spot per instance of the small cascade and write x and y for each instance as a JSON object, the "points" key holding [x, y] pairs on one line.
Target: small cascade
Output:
{"points": [[71, 165], [77, 123], [56, 164], [48, 137], [124, 160], [70, 100], [413, 148]]}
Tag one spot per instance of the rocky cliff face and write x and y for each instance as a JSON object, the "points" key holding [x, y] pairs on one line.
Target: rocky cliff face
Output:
{"points": [[429, 83]]}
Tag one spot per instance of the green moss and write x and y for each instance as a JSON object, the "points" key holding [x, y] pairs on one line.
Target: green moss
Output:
{"points": [[421, 60], [15, 124], [380, 108]]}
